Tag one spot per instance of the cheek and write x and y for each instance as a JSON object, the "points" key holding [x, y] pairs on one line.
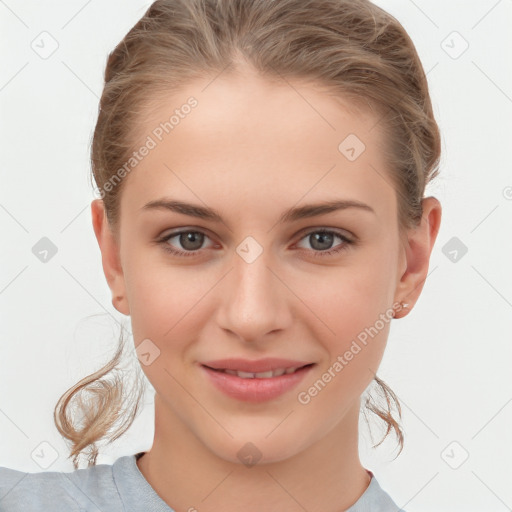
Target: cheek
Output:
{"points": [[352, 298], [354, 354], [164, 299], [354, 306], [165, 305]]}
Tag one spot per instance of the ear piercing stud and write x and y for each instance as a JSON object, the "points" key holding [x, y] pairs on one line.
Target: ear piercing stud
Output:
{"points": [[403, 305]]}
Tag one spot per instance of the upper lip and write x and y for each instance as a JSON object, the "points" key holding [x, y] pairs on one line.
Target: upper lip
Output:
{"points": [[254, 366]]}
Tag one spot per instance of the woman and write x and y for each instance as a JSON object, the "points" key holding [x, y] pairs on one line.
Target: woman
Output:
{"points": [[262, 167]]}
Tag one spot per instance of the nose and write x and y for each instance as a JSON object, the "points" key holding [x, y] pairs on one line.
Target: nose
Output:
{"points": [[254, 300]]}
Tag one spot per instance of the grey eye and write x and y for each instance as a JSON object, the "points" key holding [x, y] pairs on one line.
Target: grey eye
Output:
{"points": [[320, 240], [191, 240]]}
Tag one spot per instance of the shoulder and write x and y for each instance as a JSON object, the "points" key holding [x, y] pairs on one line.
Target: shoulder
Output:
{"points": [[82, 490], [375, 499]]}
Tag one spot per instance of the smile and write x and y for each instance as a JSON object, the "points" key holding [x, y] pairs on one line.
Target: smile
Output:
{"points": [[268, 379], [261, 375]]}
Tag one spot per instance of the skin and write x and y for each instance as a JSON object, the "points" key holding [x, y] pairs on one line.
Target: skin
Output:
{"points": [[252, 149]]}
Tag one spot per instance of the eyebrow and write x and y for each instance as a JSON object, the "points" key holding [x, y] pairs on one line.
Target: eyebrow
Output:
{"points": [[293, 214]]}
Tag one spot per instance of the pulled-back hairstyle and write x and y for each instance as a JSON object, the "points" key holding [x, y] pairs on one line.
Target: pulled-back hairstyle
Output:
{"points": [[352, 47]]}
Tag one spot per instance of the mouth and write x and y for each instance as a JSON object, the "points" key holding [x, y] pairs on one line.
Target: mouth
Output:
{"points": [[278, 372], [255, 381]]}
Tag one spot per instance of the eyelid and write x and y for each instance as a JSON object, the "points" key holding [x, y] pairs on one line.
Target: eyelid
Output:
{"points": [[339, 231]]}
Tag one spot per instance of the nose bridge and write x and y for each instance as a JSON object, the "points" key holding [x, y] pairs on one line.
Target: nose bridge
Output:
{"points": [[253, 303]]}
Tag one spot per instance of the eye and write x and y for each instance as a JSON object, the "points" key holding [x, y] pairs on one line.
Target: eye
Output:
{"points": [[190, 240], [321, 241]]}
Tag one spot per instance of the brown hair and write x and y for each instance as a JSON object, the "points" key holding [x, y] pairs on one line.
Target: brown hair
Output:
{"points": [[353, 47]]}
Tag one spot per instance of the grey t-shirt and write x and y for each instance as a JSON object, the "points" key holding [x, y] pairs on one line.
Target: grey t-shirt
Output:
{"points": [[117, 487]]}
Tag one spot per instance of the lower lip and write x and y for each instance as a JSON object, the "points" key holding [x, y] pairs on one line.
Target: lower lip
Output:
{"points": [[255, 390]]}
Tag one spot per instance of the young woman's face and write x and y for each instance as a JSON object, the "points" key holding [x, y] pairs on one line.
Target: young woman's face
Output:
{"points": [[260, 280]]}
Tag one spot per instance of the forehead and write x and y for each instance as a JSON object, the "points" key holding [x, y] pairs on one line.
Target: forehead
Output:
{"points": [[253, 139]]}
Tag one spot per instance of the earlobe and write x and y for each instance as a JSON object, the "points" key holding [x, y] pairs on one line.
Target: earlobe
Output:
{"points": [[418, 250], [109, 256]]}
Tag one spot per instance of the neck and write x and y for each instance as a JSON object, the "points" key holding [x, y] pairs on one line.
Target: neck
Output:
{"points": [[327, 476]]}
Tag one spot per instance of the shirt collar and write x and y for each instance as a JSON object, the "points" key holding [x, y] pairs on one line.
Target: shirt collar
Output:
{"points": [[137, 494]]}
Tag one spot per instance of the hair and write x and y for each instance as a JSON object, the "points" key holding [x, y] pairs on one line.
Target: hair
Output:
{"points": [[353, 47]]}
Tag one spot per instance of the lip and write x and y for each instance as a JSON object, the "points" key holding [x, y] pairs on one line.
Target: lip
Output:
{"points": [[255, 390]]}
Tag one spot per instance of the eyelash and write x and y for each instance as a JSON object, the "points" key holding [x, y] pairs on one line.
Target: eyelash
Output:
{"points": [[342, 247]]}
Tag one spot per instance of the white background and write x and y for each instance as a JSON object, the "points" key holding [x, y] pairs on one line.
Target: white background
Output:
{"points": [[448, 361]]}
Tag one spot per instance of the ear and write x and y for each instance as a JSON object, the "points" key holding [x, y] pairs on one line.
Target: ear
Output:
{"points": [[418, 248], [109, 256]]}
